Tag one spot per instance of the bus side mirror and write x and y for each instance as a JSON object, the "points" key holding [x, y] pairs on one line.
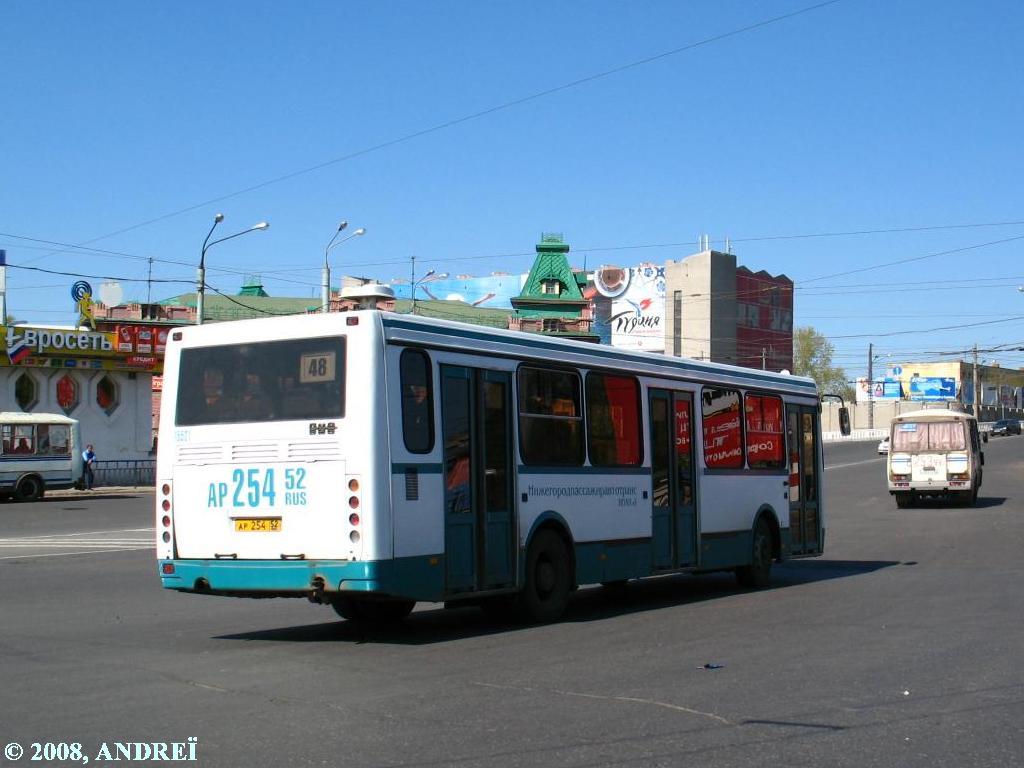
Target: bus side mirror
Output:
{"points": [[984, 437], [982, 455], [844, 421]]}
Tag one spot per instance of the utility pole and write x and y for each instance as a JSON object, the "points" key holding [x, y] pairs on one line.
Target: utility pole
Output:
{"points": [[412, 284], [977, 399], [871, 386], [764, 359], [149, 282]]}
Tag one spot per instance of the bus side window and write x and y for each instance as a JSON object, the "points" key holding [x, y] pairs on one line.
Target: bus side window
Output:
{"points": [[417, 401]]}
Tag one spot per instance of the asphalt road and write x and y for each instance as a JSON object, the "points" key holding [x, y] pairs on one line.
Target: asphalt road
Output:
{"points": [[903, 646]]}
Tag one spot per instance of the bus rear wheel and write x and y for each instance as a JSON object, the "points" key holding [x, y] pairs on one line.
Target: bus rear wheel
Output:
{"points": [[904, 499], [29, 488], [373, 611], [758, 574], [548, 579]]}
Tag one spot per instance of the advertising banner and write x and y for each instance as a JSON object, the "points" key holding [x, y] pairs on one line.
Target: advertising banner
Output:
{"points": [[634, 315], [932, 388], [880, 389]]}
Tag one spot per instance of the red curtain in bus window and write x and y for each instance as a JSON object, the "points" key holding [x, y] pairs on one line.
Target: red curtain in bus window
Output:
{"points": [[723, 437], [764, 432], [623, 401]]}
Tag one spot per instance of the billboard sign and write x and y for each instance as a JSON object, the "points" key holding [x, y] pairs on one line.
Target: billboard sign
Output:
{"points": [[879, 389], [630, 306], [932, 388]]}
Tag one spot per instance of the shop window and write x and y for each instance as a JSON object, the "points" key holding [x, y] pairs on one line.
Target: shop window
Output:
{"points": [[550, 417], [723, 433], [26, 392], [67, 393], [764, 432], [107, 394], [613, 420]]}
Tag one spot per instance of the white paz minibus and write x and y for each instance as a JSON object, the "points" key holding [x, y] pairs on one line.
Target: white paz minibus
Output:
{"points": [[370, 460], [40, 451], [934, 452]]}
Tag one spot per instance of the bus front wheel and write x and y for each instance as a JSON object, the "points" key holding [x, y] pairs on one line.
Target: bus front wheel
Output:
{"points": [[758, 573], [29, 489], [548, 580]]}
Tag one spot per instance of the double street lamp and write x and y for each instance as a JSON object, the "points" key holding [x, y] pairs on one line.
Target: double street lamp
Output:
{"points": [[325, 287], [430, 276], [201, 272]]}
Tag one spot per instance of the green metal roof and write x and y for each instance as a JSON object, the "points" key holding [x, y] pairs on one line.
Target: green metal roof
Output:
{"points": [[218, 307]]}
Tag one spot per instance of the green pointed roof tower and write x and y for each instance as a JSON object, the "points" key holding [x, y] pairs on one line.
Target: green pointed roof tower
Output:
{"points": [[552, 301]]}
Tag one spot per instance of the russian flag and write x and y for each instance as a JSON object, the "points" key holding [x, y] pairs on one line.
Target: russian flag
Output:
{"points": [[18, 352]]}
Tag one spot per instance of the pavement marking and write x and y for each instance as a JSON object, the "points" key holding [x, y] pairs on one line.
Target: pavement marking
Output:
{"points": [[628, 699], [69, 554], [81, 543]]}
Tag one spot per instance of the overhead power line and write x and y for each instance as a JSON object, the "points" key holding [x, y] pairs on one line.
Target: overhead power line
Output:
{"points": [[476, 115]]}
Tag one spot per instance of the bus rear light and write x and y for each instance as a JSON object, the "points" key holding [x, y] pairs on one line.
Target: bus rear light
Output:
{"points": [[957, 475], [353, 485], [165, 505], [353, 502], [166, 537], [351, 321], [354, 537], [167, 568], [353, 519], [166, 521], [165, 489]]}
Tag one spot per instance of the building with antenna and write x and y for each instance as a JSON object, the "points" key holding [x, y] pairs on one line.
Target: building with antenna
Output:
{"points": [[719, 311]]}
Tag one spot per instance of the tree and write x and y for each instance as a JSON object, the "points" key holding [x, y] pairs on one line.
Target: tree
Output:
{"points": [[812, 356]]}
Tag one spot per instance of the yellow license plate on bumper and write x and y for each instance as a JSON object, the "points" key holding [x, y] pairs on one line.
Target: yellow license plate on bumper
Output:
{"points": [[265, 524]]}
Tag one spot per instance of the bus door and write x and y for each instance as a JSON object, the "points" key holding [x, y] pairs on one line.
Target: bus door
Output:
{"points": [[478, 519], [674, 525], [804, 479]]}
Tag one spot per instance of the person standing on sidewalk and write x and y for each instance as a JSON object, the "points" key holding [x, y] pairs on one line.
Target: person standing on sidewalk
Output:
{"points": [[88, 459]]}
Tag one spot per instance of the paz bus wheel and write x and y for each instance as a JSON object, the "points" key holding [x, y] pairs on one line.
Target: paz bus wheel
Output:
{"points": [[548, 580], [758, 573], [29, 489]]}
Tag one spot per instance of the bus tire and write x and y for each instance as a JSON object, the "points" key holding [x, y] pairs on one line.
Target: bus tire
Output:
{"points": [[548, 580], [904, 499], [30, 488], [758, 574]]}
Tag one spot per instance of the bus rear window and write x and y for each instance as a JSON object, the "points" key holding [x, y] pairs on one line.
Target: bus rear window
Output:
{"points": [[260, 382], [928, 436]]}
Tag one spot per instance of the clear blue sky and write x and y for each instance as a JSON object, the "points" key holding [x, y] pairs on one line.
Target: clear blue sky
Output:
{"points": [[862, 115]]}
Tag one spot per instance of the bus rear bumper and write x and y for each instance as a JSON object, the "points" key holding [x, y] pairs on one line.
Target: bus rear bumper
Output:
{"points": [[926, 487], [419, 578]]}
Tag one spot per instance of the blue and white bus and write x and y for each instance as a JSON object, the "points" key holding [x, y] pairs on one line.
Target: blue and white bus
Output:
{"points": [[40, 451], [370, 460]]}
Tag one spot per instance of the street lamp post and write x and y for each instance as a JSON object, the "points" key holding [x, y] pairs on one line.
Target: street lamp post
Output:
{"points": [[428, 277], [325, 287], [201, 272]]}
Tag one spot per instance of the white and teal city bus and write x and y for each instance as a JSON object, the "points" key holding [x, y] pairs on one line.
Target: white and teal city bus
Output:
{"points": [[370, 460]]}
